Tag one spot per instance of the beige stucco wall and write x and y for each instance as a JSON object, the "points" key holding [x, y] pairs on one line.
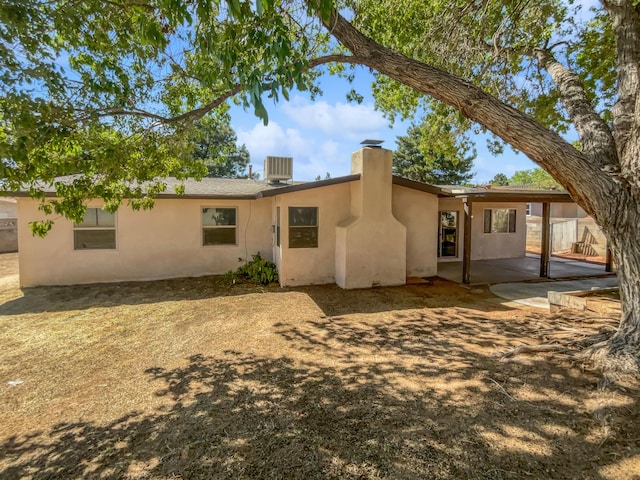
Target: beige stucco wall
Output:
{"points": [[306, 266], [486, 246], [418, 212], [164, 242]]}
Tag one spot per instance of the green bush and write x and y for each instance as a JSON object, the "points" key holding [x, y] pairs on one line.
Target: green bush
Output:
{"points": [[258, 270]]}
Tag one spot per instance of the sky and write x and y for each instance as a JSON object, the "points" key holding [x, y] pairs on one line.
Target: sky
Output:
{"points": [[320, 135]]}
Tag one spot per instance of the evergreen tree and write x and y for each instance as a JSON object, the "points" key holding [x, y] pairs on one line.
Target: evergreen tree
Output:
{"points": [[215, 144], [500, 179], [419, 159]]}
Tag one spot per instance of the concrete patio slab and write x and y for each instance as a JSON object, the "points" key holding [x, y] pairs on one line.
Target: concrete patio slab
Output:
{"points": [[534, 294], [517, 270]]}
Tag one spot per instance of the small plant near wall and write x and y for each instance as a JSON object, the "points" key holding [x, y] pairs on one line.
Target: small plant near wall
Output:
{"points": [[258, 270]]}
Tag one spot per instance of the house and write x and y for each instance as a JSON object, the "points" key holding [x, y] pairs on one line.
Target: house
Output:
{"points": [[364, 229]]}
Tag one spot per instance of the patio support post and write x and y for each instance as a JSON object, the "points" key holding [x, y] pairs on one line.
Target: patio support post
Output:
{"points": [[466, 254], [544, 242]]}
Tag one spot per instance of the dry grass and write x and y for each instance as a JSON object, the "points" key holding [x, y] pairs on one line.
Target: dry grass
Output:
{"points": [[193, 378]]}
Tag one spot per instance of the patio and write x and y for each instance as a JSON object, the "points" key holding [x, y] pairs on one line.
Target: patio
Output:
{"points": [[518, 269]]}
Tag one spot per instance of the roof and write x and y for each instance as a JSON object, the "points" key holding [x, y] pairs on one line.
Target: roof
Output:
{"points": [[220, 188], [237, 188]]}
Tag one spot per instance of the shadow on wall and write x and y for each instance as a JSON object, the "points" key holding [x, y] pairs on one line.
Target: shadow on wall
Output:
{"points": [[408, 399]]}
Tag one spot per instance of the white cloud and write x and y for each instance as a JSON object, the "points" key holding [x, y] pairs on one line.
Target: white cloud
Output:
{"points": [[272, 139], [342, 121]]}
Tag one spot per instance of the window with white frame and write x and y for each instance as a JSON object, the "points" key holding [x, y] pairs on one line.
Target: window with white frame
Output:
{"points": [[219, 226], [97, 231], [499, 220], [303, 227], [527, 209]]}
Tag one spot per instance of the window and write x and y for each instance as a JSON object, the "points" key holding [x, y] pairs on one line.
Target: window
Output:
{"points": [[527, 209], [97, 231], [499, 220], [219, 226], [303, 227]]}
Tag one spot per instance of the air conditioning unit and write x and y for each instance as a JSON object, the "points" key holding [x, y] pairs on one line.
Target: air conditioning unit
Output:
{"points": [[278, 168]]}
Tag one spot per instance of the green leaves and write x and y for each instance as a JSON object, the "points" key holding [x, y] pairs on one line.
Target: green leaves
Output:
{"points": [[105, 94]]}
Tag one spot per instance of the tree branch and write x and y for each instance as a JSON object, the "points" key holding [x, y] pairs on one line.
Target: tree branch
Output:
{"points": [[596, 137], [626, 26], [197, 113], [573, 169]]}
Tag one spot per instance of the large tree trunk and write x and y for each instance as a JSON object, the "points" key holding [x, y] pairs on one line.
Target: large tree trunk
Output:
{"points": [[597, 179], [624, 240]]}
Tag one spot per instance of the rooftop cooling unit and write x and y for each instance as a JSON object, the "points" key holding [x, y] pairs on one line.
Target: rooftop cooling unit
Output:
{"points": [[278, 168]]}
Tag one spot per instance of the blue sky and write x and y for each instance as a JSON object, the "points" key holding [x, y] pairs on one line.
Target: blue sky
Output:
{"points": [[320, 135]]}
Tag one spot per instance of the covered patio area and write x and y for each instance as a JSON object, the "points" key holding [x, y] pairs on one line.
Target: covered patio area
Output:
{"points": [[518, 269]]}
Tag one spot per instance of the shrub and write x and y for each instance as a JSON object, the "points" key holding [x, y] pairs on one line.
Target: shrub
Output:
{"points": [[259, 270]]}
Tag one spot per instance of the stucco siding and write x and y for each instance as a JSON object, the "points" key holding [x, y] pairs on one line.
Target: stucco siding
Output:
{"points": [[487, 246], [306, 266], [164, 242], [418, 212]]}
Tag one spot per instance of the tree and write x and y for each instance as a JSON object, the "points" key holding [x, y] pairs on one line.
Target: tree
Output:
{"points": [[523, 71], [536, 177], [215, 144], [421, 157], [500, 179]]}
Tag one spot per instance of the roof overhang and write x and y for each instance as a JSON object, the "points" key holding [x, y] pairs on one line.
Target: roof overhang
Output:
{"points": [[423, 187], [527, 197]]}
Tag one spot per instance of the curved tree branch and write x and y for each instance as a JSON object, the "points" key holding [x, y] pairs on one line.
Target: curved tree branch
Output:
{"points": [[597, 140], [197, 113], [573, 169], [596, 137]]}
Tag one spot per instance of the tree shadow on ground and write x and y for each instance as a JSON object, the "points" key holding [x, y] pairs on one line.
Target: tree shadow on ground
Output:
{"points": [[330, 298], [406, 398], [81, 297]]}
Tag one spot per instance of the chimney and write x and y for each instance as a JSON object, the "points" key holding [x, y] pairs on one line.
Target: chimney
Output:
{"points": [[250, 171], [371, 244]]}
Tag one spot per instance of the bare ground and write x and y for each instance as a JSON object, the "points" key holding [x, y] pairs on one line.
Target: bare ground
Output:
{"points": [[194, 378]]}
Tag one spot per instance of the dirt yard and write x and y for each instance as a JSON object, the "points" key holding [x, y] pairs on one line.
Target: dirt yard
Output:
{"points": [[198, 379]]}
